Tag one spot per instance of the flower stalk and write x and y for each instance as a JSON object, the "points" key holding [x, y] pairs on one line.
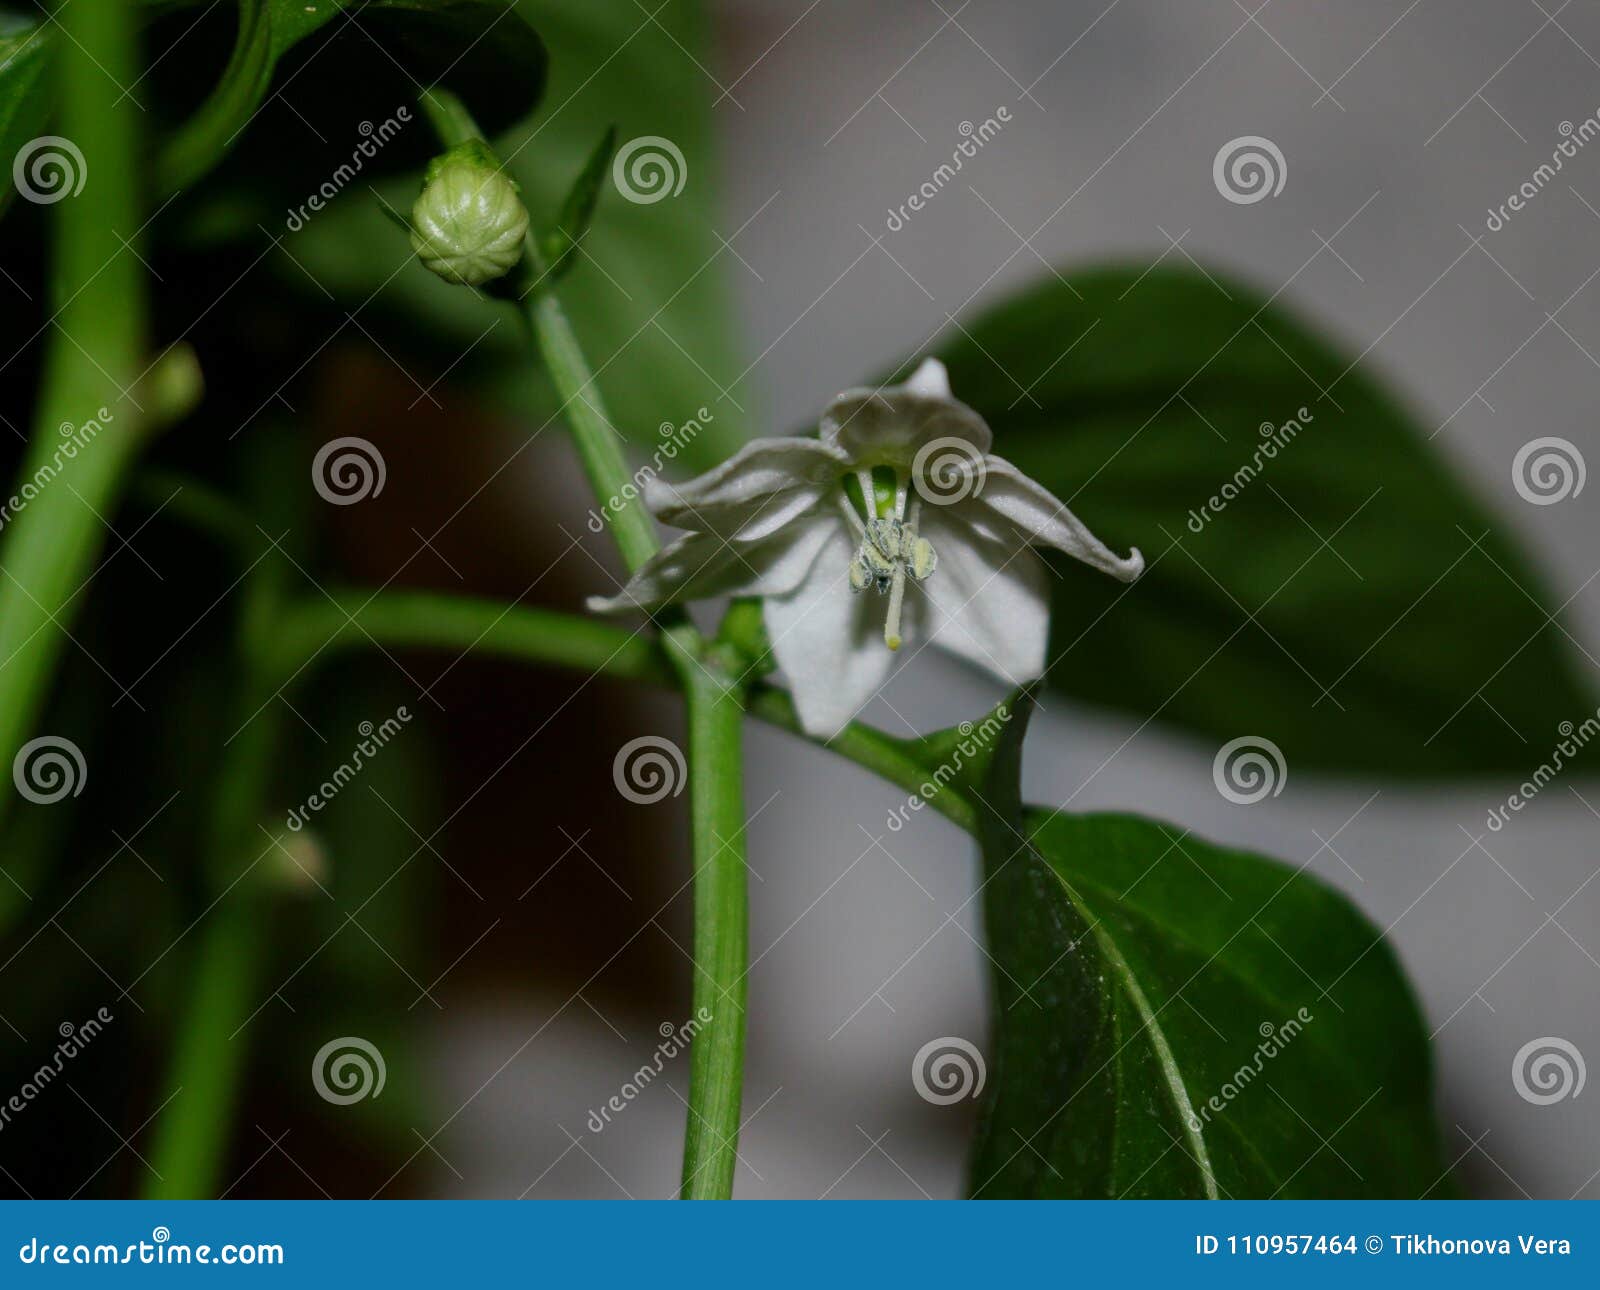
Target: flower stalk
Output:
{"points": [[598, 443], [715, 711]]}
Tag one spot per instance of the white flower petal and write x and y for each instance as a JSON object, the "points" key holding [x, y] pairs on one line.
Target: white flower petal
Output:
{"points": [[700, 565], [891, 424], [988, 601], [829, 641], [760, 488], [930, 380], [1033, 514]]}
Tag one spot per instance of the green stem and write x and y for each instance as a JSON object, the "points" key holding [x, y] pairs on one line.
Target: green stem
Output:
{"points": [[721, 917], [419, 619], [884, 755], [226, 964], [212, 514], [191, 1137], [97, 341], [714, 706], [206, 135], [429, 620]]}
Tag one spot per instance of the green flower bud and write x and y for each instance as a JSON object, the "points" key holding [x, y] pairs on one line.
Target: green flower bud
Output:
{"points": [[468, 223]]}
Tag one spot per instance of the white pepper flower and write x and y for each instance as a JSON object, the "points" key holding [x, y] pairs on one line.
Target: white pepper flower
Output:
{"points": [[468, 222], [895, 524]]}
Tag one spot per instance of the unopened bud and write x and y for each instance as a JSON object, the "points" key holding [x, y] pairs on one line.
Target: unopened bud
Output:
{"points": [[468, 224]]}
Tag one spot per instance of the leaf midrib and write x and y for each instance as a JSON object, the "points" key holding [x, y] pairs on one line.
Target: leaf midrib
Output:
{"points": [[1214, 959], [1176, 1090]]}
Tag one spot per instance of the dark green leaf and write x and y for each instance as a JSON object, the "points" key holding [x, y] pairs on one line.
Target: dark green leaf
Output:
{"points": [[1353, 603], [24, 93], [577, 211], [484, 50], [378, 56], [1177, 1019]]}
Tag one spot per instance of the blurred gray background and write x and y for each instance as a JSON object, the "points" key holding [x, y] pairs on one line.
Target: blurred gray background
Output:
{"points": [[1400, 125]]}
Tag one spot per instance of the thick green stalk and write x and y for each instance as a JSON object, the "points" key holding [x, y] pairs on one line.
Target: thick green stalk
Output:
{"points": [[716, 707], [716, 805], [721, 923], [96, 344]]}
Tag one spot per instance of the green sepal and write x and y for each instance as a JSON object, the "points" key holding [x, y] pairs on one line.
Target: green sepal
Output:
{"points": [[560, 245], [744, 633]]}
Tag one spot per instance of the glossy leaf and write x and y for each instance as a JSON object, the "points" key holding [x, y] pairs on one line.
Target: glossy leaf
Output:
{"points": [[1348, 599], [379, 55], [1179, 1019]]}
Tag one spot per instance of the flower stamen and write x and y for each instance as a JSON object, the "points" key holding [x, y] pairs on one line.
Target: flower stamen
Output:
{"points": [[891, 550]]}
